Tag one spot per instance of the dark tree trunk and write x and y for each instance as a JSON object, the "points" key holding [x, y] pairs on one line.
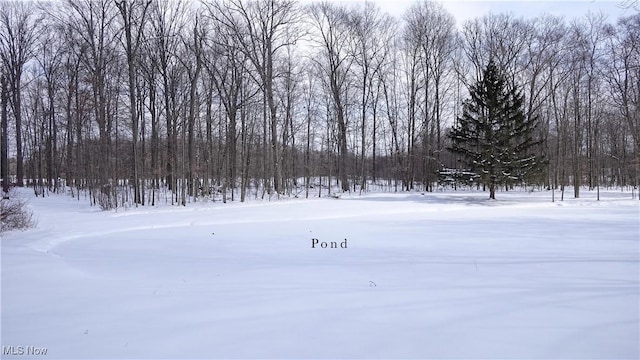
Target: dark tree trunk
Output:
{"points": [[4, 145]]}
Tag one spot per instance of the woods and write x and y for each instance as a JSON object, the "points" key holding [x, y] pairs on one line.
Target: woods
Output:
{"points": [[135, 102]]}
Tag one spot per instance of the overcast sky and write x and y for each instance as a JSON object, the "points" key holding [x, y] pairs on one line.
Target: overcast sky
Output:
{"points": [[464, 10]]}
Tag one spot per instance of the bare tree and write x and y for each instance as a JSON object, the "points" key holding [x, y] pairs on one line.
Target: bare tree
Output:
{"points": [[193, 65], [415, 83], [227, 67], [133, 16], [49, 57], [331, 23], [263, 28], [4, 139], [167, 21], [288, 93], [431, 32], [623, 76], [76, 107], [498, 37], [372, 35], [18, 35], [93, 22]]}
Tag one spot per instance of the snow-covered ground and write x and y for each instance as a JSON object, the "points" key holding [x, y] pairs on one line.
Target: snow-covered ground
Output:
{"points": [[442, 275]]}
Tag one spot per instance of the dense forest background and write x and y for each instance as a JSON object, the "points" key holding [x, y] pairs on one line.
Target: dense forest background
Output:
{"points": [[134, 102]]}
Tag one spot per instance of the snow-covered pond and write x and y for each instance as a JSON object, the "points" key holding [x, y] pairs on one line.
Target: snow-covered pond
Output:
{"points": [[442, 275]]}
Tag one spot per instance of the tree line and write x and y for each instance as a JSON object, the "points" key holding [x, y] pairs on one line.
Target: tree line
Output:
{"points": [[139, 101]]}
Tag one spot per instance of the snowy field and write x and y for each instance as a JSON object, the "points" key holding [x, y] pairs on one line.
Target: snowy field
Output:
{"points": [[442, 275]]}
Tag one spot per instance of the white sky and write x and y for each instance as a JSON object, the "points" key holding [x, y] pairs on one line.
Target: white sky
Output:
{"points": [[464, 10]]}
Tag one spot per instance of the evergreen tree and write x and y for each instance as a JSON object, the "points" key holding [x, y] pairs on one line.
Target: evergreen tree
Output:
{"points": [[493, 136]]}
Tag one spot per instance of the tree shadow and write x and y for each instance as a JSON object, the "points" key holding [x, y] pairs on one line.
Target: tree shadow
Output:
{"points": [[476, 199]]}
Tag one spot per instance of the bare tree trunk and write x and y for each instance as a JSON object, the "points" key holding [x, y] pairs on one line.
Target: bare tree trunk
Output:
{"points": [[133, 16], [577, 143], [4, 160], [153, 112], [16, 49]]}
